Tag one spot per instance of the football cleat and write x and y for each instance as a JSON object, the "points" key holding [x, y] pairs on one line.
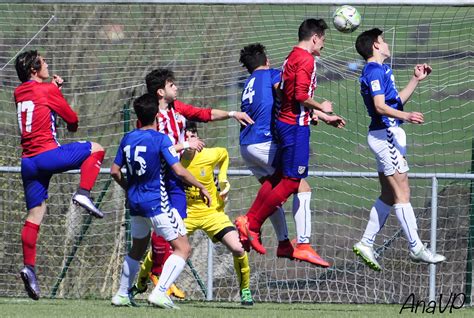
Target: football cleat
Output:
{"points": [[426, 256], [86, 202], [246, 297], [305, 253], [366, 253], [285, 249], [31, 283], [246, 234], [123, 301], [176, 292], [163, 301], [172, 291], [135, 290]]}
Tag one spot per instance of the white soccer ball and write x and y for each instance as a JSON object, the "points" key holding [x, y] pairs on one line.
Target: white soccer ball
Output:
{"points": [[346, 19]]}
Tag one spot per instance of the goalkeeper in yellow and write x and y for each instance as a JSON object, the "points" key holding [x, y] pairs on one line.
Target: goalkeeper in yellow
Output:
{"points": [[211, 220]]}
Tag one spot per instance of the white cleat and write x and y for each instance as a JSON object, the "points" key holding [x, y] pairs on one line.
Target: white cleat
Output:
{"points": [[426, 256], [123, 301], [366, 253], [162, 301], [86, 202]]}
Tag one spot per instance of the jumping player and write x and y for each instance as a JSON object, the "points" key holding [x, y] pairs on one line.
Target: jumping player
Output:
{"points": [[387, 140], [38, 102]]}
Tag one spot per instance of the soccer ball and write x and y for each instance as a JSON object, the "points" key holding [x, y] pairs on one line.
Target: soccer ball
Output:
{"points": [[346, 19]]}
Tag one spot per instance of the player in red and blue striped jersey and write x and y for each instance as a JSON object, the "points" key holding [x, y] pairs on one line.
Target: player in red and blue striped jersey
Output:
{"points": [[38, 103], [292, 132]]}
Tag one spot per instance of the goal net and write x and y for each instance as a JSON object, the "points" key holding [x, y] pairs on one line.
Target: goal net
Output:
{"points": [[104, 51]]}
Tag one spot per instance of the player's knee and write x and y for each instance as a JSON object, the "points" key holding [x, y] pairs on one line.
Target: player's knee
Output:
{"points": [[237, 250], [304, 186], [96, 147]]}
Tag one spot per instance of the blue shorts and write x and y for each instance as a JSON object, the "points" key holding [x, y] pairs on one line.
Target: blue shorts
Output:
{"points": [[176, 194], [36, 171], [292, 157]]}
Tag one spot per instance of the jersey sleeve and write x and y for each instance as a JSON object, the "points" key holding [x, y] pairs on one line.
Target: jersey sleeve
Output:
{"points": [[60, 106], [192, 112], [303, 79], [167, 151], [375, 81], [119, 159], [222, 162], [276, 76]]}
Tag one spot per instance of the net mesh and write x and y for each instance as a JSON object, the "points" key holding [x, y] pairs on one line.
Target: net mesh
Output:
{"points": [[103, 51]]}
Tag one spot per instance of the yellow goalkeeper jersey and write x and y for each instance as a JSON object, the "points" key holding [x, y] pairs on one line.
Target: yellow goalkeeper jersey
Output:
{"points": [[202, 167]]}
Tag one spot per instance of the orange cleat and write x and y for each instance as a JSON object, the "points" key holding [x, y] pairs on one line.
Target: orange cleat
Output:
{"points": [[250, 236], [305, 253], [285, 249]]}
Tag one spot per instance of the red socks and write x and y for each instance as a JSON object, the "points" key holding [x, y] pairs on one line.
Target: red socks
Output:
{"points": [[267, 201], [90, 169], [161, 250], [29, 236]]}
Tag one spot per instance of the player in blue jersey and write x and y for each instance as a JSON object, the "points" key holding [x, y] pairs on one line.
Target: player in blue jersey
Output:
{"points": [[387, 140], [145, 152], [260, 99]]}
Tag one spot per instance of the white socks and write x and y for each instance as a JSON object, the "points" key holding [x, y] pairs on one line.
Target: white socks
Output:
{"points": [[129, 271], [279, 224], [378, 215], [302, 216], [173, 266], [407, 220]]}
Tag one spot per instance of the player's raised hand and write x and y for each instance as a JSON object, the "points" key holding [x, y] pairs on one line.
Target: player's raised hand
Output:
{"points": [[415, 118], [326, 106], [205, 196], [421, 71], [196, 144], [243, 118], [335, 121], [57, 80], [224, 185]]}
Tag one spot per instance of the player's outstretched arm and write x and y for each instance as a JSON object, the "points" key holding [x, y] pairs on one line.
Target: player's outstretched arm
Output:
{"points": [[241, 117], [187, 177], [117, 175], [420, 72]]}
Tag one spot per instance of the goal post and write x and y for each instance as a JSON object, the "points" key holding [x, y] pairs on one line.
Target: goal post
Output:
{"points": [[104, 49]]}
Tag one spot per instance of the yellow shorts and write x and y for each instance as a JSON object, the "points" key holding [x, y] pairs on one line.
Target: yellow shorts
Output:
{"points": [[212, 224]]}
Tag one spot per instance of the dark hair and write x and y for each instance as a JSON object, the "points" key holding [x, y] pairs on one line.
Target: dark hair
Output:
{"points": [[191, 126], [253, 56], [157, 79], [310, 27], [365, 42], [146, 108], [25, 63]]}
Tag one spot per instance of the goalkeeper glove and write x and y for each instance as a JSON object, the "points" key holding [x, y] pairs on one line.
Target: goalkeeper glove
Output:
{"points": [[224, 185]]}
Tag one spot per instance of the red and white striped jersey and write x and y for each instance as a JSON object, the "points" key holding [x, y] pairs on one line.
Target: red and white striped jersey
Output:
{"points": [[298, 84], [172, 121]]}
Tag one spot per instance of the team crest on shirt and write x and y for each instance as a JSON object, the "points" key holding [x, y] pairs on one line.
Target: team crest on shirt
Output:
{"points": [[203, 173], [173, 151], [301, 169], [375, 85]]}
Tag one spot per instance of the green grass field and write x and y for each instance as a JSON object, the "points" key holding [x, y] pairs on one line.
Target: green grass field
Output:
{"points": [[16, 307]]}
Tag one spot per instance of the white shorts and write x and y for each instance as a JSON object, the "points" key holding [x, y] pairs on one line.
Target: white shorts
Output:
{"points": [[389, 147], [168, 225], [259, 158]]}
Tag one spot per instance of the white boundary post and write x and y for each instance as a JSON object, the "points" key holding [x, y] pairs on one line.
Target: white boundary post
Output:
{"points": [[434, 218], [210, 268]]}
